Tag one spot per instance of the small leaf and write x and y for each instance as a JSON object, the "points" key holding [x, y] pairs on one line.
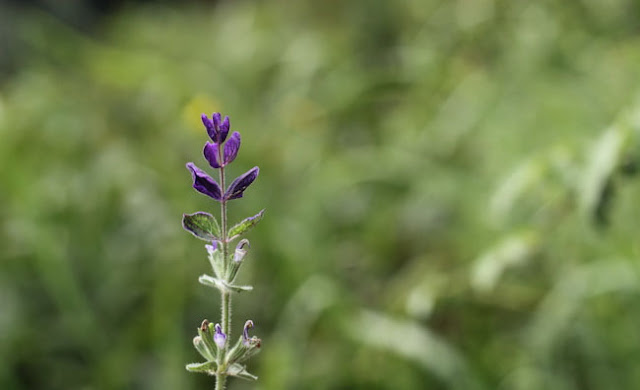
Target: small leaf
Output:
{"points": [[221, 285], [241, 372], [236, 288], [207, 367], [215, 259], [202, 348], [202, 225], [210, 281], [246, 224]]}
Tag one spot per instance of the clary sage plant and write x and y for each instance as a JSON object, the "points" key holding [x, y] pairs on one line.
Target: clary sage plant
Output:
{"points": [[213, 340]]}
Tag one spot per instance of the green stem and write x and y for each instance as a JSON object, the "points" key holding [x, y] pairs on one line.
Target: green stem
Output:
{"points": [[225, 297], [220, 381], [226, 318]]}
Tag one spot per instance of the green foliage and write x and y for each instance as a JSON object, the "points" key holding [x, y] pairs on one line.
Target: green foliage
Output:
{"points": [[202, 225], [452, 190], [245, 225]]}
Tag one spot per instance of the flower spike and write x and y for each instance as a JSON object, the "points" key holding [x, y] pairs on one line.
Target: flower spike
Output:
{"points": [[222, 360], [237, 187], [204, 184]]}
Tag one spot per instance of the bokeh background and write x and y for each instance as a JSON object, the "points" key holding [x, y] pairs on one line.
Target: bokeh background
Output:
{"points": [[451, 191]]}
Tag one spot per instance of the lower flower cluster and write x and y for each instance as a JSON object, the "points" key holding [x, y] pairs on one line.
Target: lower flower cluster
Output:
{"points": [[211, 342]]}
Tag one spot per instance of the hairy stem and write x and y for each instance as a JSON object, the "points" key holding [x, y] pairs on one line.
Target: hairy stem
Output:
{"points": [[220, 381], [225, 297]]}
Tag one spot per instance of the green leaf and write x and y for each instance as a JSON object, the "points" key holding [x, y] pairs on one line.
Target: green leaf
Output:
{"points": [[216, 260], [202, 225], [221, 285], [207, 367], [240, 371], [210, 281], [246, 224], [201, 346], [238, 289]]}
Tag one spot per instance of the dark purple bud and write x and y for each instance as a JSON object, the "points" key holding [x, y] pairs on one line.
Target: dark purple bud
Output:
{"points": [[246, 340], [216, 119], [224, 128], [204, 184], [212, 154], [219, 338], [216, 127], [211, 130], [231, 148], [237, 187]]}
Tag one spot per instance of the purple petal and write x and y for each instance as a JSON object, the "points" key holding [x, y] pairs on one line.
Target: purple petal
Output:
{"points": [[216, 124], [231, 148], [212, 154], [241, 183], [211, 130], [217, 118], [204, 184], [224, 129]]}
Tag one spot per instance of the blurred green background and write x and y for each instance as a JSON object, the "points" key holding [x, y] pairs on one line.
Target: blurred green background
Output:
{"points": [[451, 191]]}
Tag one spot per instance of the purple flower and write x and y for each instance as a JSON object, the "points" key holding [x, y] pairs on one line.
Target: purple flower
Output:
{"points": [[231, 148], [204, 184], [237, 187], [219, 338], [216, 128]]}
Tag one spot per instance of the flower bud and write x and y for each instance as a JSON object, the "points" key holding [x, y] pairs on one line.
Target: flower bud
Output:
{"points": [[236, 260], [219, 338], [240, 251], [245, 332], [245, 347]]}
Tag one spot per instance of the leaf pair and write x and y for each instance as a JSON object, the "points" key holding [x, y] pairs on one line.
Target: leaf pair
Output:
{"points": [[205, 226]]}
